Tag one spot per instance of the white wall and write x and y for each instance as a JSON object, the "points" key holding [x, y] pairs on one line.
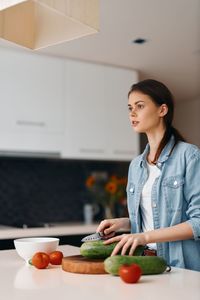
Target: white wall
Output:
{"points": [[187, 120]]}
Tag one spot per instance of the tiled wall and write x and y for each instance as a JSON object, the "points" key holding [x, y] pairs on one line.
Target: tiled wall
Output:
{"points": [[47, 190]]}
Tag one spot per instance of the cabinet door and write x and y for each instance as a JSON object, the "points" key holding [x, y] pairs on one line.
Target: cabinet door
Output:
{"points": [[31, 114], [123, 142], [86, 113], [97, 125]]}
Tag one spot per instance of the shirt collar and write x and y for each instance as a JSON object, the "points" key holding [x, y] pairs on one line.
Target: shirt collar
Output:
{"points": [[163, 156]]}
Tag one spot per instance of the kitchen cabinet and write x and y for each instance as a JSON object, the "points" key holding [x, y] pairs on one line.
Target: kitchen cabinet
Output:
{"points": [[122, 142], [54, 106], [85, 111], [96, 115], [32, 101]]}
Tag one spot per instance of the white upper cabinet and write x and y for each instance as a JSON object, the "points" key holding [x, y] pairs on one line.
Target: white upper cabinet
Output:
{"points": [[59, 106], [86, 115], [122, 141], [32, 102], [96, 115]]}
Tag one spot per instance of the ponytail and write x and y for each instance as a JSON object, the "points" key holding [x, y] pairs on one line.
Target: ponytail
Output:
{"points": [[170, 130]]}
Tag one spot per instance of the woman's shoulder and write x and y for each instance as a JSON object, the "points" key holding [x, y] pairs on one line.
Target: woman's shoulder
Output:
{"points": [[136, 161], [134, 167], [188, 150]]}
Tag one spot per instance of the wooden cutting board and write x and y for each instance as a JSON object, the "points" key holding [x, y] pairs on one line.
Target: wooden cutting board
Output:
{"points": [[83, 265]]}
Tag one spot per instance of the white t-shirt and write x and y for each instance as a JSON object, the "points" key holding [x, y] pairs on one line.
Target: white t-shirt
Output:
{"points": [[145, 203]]}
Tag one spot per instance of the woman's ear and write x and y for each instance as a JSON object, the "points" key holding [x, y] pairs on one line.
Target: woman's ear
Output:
{"points": [[163, 110]]}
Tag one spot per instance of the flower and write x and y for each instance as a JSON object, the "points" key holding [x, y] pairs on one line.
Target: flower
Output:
{"points": [[111, 187], [90, 181], [107, 190]]}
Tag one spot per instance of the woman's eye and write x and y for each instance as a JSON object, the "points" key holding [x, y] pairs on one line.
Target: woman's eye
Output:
{"points": [[136, 108], [129, 109]]}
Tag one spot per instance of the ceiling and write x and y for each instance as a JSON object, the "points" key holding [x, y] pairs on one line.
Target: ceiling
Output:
{"points": [[171, 53]]}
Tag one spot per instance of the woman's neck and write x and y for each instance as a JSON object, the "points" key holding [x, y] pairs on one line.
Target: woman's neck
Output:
{"points": [[154, 139]]}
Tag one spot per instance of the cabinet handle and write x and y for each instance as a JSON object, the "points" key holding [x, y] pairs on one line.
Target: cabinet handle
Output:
{"points": [[87, 150], [30, 123], [16, 153], [124, 152]]}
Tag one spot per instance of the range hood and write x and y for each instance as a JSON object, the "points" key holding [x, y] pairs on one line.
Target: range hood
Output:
{"points": [[36, 24]]}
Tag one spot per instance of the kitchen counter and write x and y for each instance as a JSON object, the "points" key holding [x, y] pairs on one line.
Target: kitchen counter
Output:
{"points": [[21, 282], [55, 230]]}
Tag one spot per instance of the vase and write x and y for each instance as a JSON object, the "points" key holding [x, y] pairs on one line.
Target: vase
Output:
{"points": [[109, 212], [89, 212]]}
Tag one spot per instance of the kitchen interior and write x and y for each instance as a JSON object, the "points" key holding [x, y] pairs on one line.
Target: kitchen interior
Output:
{"points": [[63, 113], [63, 109]]}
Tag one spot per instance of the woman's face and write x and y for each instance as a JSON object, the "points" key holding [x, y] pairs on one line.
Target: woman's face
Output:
{"points": [[145, 116]]}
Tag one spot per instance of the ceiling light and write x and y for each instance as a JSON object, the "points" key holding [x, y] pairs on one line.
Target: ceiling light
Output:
{"points": [[7, 3], [40, 23]]}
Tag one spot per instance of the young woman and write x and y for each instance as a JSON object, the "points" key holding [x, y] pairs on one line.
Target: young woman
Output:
{"points": [[163, 190]]}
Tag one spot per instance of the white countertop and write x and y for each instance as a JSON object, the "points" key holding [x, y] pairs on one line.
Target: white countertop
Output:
{"points": [[59, 229], [21, 282]]}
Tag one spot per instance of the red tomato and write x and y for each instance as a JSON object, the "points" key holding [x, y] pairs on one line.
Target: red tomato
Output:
{"points": [[40, 260], [56, 257], [130, 273]]}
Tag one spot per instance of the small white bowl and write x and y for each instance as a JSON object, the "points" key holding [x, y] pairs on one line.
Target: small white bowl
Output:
{"points": [[27, 247]]}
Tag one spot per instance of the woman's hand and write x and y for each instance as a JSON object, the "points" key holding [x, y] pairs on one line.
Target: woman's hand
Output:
{"points": [[110, 226], [127, 241]]}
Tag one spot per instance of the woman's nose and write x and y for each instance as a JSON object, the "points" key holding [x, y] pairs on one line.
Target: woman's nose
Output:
{"points": [[133, 112]]}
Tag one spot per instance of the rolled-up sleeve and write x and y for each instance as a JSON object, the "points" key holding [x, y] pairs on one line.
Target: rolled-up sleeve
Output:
{"points": [[192, 193]]}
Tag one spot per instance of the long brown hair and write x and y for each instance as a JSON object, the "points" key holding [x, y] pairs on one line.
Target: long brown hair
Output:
{"points": [[160, 94]]}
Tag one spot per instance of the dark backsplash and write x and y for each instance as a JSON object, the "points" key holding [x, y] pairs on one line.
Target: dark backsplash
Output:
{"points": [[38, 190]]}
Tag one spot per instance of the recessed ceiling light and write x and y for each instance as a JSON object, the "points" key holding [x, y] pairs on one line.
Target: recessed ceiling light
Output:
{"points": [[139, 41]]}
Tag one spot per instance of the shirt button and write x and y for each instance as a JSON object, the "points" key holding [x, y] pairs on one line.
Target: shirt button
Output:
{"points": [[131, 190], [159, 164], [175, 182], [154, 204]]}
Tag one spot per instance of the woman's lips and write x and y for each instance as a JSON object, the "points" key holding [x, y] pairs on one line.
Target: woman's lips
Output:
{"points": [[134, 123]]}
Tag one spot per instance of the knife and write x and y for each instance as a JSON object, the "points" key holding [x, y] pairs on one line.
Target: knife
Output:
{"points": [[97, 236]]}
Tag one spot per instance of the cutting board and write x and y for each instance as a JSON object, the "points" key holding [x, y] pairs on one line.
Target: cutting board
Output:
{"points": [[83, 265]]}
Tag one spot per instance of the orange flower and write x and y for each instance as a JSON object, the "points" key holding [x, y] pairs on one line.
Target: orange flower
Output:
{"points": [[111, 187], [113, 177], [107, 190], [122, 181], [90, 181]]}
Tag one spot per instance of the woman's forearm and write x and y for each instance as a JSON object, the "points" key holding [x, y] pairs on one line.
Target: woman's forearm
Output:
{"points": [[178, 232], [127, 224]]}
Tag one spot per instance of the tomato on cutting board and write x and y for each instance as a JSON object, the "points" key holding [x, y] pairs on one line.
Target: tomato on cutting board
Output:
{"points": [[40, 260], [56, 257], [130, 273]]}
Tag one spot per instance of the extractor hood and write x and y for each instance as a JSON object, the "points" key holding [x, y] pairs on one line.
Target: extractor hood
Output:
{"points": [[38, 24]]}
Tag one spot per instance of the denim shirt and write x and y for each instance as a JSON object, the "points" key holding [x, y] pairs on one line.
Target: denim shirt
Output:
{"points": [[175, 198]]}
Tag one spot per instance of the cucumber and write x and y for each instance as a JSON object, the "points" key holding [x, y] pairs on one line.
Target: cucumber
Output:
{"points": [[96, 249], [148, 264]]}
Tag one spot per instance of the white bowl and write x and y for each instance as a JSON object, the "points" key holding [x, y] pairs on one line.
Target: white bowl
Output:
{"points": [[27, 247]]}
